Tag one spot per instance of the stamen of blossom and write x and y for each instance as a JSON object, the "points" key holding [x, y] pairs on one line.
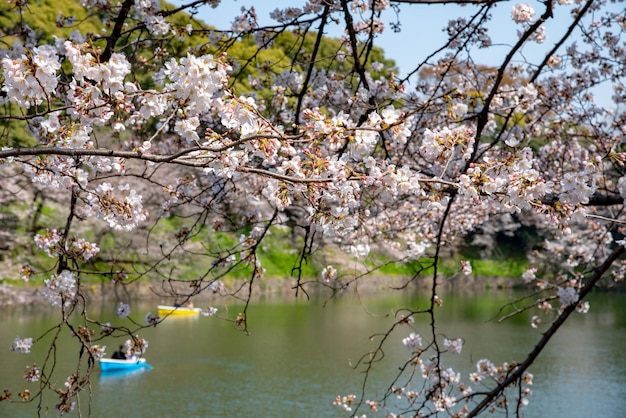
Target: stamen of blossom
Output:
{"points": [[123, 213], [66, 404], [522, 13], [48, 241], [485, 367], [98, 351], [136, 346], [25, 395], [26, 271], [329, 273], [528, 378], [582, 307], [32, 374], [81, 249], [372, 405], [545, 306], [345, 402]]}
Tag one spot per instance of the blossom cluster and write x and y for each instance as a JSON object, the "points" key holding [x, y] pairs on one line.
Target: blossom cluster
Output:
{"points": [[22, 345], [136, 346], [30, 78], [32, 374], [123, 310], [522, 13], [75, 248], [60, 289], [334, 145], [123, 212], [443, 387]]}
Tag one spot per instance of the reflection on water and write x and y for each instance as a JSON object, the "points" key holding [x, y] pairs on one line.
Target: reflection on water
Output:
{"points": [[298, 355]]}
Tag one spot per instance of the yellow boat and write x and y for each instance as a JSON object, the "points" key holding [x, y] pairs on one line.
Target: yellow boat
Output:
{"points": [[166, 310]]}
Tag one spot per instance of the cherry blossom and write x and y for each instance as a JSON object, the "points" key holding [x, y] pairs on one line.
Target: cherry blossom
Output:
{"points": [[329, 273], [522, 13], [60, 289], [151, 320], [454, 346], [32, 374], [123, 310], [129, 130], [210, 311], [28, 80], [412, 342], [22, 345], [567, 295], [136, 346]]}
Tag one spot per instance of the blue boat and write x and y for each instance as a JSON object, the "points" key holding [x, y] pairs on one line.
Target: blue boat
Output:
{"points": [[122, 374], [110, 365]]}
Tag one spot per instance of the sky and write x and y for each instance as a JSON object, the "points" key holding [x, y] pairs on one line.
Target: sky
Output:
{"points": [[422, 28]]}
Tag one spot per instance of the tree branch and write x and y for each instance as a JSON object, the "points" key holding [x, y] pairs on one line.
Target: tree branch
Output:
{"points": [[483, 116], [117, 30], [489, 2], [305, 84], [519, 371]]}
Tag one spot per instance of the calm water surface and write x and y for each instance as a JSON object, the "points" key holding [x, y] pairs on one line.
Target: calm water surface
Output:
{"points": [[296, 359]]}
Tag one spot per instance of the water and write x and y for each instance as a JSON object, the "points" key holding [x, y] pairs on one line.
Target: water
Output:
{"points": [[297, 358]]}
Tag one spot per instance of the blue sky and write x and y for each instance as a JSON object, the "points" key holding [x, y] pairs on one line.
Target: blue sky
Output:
{"points": [[422, 28]]}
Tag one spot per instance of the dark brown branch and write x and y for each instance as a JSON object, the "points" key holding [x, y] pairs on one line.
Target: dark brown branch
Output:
{"points": [[519, 371], [183, 7], [448, 1], [117, 30], [457, 36], [596, 199], [571, 28], [73, 152], [174, 159], [483, 116], [318, 41], [354, 45]]}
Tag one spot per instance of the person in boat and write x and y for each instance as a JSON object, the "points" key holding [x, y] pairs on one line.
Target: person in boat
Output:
{"points": [[119, 354]]}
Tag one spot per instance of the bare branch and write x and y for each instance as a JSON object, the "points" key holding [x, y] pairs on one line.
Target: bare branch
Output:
{"points": [[547, 336]]}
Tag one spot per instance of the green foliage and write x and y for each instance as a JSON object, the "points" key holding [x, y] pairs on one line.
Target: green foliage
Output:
{"points": [[14, 133], [481, 267], [499, 268], [42, 15], [289, 52], [280, 255]]}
